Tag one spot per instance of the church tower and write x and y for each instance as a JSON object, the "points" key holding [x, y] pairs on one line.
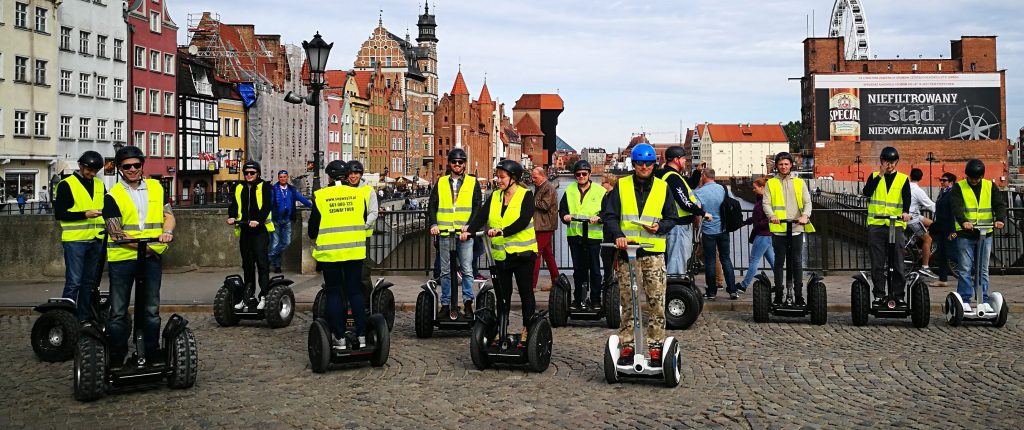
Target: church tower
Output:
{"points": [[427, 47]]}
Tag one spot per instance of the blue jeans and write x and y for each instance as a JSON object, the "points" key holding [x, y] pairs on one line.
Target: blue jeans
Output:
{"points": [[465, 255], [344, 277], [147, 313], [279, 240], [678, 246], [965, 285], [81, 272], [762, 247], [720, 242]]}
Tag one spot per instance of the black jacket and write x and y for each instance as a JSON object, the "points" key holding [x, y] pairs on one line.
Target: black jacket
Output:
{"points": [[872, 183], [613, 208], [959, 212], [65, 200], [481, 216], [944, 222], [432, 203], [677, 189], [250, 210]]}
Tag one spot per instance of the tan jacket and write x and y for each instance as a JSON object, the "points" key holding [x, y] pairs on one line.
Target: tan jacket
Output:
{"points": [[545, 218]]}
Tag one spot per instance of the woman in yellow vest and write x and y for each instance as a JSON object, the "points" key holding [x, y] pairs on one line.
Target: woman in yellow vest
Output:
{"points": [[135, 208], [78, 207], [249, 211], [888, 192], [337, 227], [975, 200], [508, 214], [583, 198]]}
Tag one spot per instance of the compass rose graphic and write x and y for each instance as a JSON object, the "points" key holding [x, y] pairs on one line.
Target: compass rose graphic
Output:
{"points": [[981, 124]]}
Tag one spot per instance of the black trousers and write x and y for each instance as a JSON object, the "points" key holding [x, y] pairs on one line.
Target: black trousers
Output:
{"points": [[794, 271], [253, 244], [519, 265], [878, 244], [591, 277]]}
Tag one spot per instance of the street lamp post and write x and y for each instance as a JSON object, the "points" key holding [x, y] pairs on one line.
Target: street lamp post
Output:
{"points": [[857, 160], [931, 179], [317, 52]]}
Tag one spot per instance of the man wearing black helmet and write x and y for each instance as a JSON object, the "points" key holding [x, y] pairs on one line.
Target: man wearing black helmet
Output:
{"points": [[680, 239], [249, 213], [135, 208], [79, 207], [452, 203], [355, 180], [888, 192], [975, 200], [581, 198]]}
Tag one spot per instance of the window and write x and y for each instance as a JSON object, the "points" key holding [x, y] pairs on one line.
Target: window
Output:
{"points": [[168, 103], [40, 124], [168, 145], [154, 22], [154, 144], [65, 81], [65, 127], [236, 126], [101, 46], [101, 86], [169, 64], [65, 38], [40, 72], [334, 119], [83, 84], [974, 66], [208, 111], [140, 57], [140, 139], [154, 60], [118, 132], [193, 144], [154, 102], [20, 182], [41, 20], [225, 130], [140, 100], [21, 69], [193, 109], [83, 42], [101, 129], [21, 16], [118, 89], [83, 128], [118, 50], [20, 120]]}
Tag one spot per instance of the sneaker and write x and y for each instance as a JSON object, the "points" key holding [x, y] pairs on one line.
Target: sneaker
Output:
{"points": [[734, 296], [626, 355], [799, 301], [656, 353], [879, 302], [277, 270], [576, 305], [967, 308], [709, 296], [467, 308], [338, 343], [240, 305], [596, 307], [987, 308], [900, 303], [739, 288], [928, 272], [362, 342], [263, 303]]}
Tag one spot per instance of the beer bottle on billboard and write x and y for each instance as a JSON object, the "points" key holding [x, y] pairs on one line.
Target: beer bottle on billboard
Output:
{"points": [[844, 114]]}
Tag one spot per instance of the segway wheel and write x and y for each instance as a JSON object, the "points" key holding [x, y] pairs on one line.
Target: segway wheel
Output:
{"points": [[280, 306], [224, 307], [384, 304], [538, 345], [860, 302], [55, 336], [424, 315], [762, 296], [558, 305], [379, 335], [681, 307], [477, 344], [611, 374], [90, 369], [954, 310], [320, 304], [1004, 313], [612, 312], [920, 308], [671, 364], [818, 303], [184, 360], [319, 346]]}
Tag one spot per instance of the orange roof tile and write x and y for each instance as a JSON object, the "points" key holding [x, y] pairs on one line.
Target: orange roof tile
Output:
{"points": [[459, 89], [540, 101], [747, 133], [363, 78], [485, 96], [528, 127]]}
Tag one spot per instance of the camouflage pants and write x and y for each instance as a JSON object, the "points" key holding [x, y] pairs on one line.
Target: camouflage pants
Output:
{"points": [[651, 279]]}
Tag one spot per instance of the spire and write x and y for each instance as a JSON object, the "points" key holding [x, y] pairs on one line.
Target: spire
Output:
{"points": [[380, 19], [460, 89], [426, 7], [485, 95]]}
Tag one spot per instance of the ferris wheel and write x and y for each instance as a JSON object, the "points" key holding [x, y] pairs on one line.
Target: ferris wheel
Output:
{"points": [[850, 23]]}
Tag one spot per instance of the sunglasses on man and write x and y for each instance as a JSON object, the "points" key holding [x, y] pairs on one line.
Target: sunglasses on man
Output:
{"points": [[644, 163], [250, 172], [582, 174], [458, 162], [131, 166]]}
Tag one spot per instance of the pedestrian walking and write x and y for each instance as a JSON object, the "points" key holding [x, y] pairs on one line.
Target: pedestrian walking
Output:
{"points": [[44, 201], [546, 221], [21, 202], [285, 213], [760, 237], [715, 239], [943, 230]]}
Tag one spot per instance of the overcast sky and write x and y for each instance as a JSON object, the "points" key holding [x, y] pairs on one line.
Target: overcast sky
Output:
{"points": [[625, 66]]}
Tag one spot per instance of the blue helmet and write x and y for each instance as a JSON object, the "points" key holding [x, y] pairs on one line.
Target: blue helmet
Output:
{"points": [[643, 152]]}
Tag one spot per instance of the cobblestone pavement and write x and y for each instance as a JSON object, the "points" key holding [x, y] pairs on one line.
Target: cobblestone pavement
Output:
{"points": [[738, 375]]}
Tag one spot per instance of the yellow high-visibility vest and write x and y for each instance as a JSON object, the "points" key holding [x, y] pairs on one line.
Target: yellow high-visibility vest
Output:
{"points": [[89, 228], [978, 210], [779, 203], [887, 202], [269, 222], [451, 216], [590, 207], [630, 213], [689, 191], [341, 235], [152, 226], [523, 241]]}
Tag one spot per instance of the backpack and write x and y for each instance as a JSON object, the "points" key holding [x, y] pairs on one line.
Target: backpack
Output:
{"points": [[731, 213]]}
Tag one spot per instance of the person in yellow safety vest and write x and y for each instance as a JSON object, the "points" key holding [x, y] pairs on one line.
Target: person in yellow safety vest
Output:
{"points": [[787, 197], [250, 213], [354, 178], [135, 208], [639, 210], [452, 203], [975, 201], [583, 198], [337, 226], [78, 206], [888, 193], [679, 242], [508, 215]]}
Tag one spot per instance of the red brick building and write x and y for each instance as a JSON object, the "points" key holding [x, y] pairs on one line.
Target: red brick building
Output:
{"points": [[536, 119], [467, 124], [952, 108]]}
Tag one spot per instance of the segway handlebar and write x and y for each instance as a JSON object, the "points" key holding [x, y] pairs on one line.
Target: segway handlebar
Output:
{"points": [[581, 218], [889, 217], [137, 241]]}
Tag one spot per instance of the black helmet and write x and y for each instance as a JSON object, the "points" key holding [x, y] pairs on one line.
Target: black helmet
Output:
{"points": [[674, 152], [91, 159], [457, 154], [581, 165], [253, 165], [514, 169], [128, 152], [975, 169], [889, 154], [336, 169], [784, 156], [355, 166]]}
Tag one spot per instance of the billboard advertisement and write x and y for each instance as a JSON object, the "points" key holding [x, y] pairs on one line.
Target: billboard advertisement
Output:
{"points": [[953, 106]]}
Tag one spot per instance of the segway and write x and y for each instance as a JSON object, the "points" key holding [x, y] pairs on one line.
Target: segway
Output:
{"points": [[559, 309], [817, 297], [668, 369], [683, 301], [918, 308], [323, 354], [953, 307], [279, 307], [177, 361], [381, 301], [428, 301]]}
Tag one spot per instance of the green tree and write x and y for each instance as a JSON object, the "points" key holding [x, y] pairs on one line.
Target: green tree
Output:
{"points": [[795, 133]]}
